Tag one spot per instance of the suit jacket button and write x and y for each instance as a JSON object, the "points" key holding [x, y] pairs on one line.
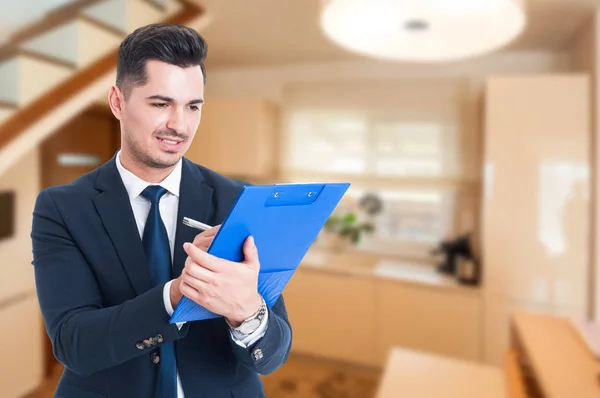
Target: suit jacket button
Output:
{"points": [[258, 354], [155, 358], [139, 345], [147, 343], [159, 338]]}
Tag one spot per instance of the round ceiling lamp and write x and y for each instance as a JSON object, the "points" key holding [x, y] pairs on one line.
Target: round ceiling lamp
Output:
{"points": [[422, 30]]}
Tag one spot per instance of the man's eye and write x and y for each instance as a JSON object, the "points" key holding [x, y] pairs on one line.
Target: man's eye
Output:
{"points": [[160, 105], [195, 108]]}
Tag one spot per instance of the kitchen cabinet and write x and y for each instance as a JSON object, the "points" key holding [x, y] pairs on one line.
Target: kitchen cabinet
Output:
{"points": [[427, 319], [332, 315], [237, 137], [21, 346], [356, 315], [536, 208]]}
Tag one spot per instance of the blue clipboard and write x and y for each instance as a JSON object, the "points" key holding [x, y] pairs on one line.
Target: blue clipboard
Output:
{"points": [[284, 220]]}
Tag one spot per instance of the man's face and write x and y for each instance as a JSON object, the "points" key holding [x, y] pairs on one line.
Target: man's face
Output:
{"points": [[159, 120]]}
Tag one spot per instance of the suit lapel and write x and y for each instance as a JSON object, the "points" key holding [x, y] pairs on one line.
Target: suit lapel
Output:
{"points": [[114, 209], [194, 202]]}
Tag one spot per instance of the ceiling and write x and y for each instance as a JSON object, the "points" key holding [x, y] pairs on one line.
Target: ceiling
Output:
{"points": [[268, 32]]}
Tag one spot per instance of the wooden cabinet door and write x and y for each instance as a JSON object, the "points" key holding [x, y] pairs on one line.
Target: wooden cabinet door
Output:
{"points": [[332, 315], [536, 210], [236, 138], [86, 142], [426, 319]]}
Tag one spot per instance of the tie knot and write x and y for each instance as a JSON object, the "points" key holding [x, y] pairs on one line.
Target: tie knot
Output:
{"points": [[153, 193]]}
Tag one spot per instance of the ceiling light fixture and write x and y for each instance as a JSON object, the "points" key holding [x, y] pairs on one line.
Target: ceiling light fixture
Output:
{"points": [[422, 30]]}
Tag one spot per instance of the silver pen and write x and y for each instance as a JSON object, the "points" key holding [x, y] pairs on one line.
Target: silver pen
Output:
{"points": [[195, 224]]}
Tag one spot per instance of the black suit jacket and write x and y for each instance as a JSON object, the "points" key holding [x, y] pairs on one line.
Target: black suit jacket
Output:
{"points": [[99, 305]]}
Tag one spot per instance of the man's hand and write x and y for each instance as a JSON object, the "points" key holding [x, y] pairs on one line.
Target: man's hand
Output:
{"points": [[201, 241], [223, 287]]}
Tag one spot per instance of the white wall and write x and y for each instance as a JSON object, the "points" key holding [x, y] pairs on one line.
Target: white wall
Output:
{"points": [[269, 82], [586, 58]]}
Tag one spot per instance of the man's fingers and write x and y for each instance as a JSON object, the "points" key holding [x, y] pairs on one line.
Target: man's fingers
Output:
{"points": [[251, 254], [192, 292], [213, 231], [195, 271], [203, 259], [199, 239], [209, 232], [202, 242], [204, 239]]}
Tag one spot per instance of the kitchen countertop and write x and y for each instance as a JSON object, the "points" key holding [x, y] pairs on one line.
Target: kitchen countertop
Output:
{"points": [[413, 374], [561, 362], [356, 263]]}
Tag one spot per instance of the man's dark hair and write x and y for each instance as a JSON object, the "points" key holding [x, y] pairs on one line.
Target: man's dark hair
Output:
{"points": [[173, 44]]}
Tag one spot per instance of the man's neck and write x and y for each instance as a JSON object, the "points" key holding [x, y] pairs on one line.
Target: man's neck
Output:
{"points": [[148, 174]]}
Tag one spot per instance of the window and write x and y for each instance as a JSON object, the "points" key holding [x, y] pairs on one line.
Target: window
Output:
{"points": [[329, 143], [408, 148], [409, 159]]}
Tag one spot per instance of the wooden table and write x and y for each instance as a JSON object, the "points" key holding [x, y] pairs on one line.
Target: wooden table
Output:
{"points": [[559, 362], [412, 374]]}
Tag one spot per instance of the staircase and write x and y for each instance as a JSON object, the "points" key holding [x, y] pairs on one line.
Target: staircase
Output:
{"points": [[50, 72], [58, 66]]}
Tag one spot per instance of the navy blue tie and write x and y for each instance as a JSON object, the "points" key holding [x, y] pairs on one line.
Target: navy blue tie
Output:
{"points": [[158, 254]]}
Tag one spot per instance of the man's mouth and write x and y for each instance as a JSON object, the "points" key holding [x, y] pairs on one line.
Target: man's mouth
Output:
{"points": [[170, 144], [170, 141]]}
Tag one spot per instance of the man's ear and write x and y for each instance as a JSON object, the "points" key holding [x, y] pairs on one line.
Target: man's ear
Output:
{"points": [[116, 101]]}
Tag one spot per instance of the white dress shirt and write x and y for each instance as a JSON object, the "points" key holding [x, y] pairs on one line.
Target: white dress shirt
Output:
{"points": [[168, 207]]}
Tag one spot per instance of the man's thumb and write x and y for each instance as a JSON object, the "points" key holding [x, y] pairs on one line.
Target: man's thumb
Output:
{"points": [[251, 253]]}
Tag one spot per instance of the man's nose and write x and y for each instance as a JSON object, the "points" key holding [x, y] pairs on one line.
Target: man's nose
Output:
{"points": [[176, 121]]}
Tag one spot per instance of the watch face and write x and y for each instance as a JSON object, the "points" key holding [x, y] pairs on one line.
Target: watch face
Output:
{"points": [[250, 326]]}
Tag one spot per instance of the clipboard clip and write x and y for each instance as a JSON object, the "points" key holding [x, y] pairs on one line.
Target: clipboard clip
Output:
{"points": [[293, 195], [276, 194]]}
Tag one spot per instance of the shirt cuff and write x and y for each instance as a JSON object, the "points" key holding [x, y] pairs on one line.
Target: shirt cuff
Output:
{"points": [[255, 336], [167, 301]]}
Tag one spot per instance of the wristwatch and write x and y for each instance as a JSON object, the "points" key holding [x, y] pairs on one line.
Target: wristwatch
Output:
{"points": [[250, 325]]}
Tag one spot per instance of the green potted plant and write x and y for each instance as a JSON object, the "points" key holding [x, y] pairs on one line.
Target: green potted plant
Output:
{"points": [[346, 229]]}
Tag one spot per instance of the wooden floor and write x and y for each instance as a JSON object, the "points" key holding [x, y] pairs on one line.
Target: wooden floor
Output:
{"points": [[303, 377], [300, 377]]}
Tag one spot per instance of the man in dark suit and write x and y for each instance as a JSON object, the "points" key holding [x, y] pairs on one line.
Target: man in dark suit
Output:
{"points": [[112, 258]]}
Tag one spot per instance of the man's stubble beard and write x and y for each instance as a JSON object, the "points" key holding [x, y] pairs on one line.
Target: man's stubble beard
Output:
{"points": [[142, 157]]}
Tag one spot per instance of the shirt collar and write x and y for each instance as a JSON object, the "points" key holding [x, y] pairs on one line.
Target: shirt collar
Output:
{"points": [[135, 185]]}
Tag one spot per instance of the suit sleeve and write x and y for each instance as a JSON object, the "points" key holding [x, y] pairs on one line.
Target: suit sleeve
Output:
{"points": [[87, 337], [272, 350]]}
